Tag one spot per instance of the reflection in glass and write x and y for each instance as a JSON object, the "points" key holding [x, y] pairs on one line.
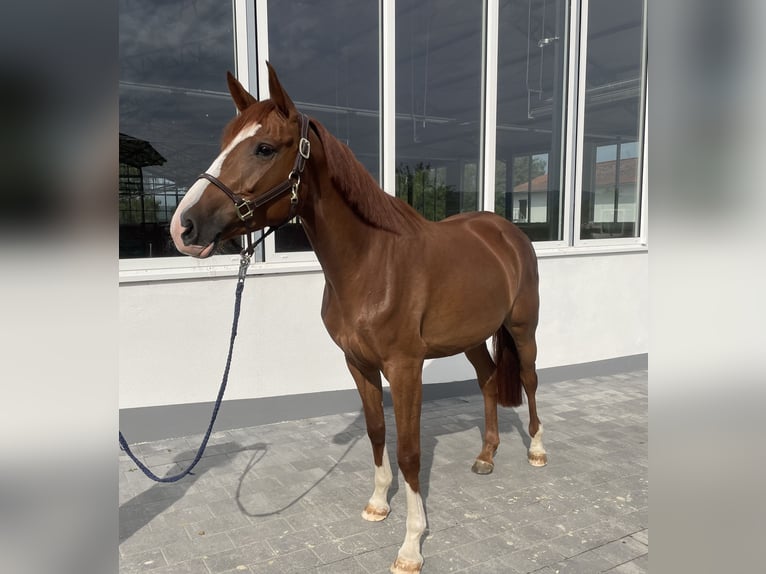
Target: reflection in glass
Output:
{"points": [[173, 106], [611, 151], [326, 55], [530, 110], [438, 105]]}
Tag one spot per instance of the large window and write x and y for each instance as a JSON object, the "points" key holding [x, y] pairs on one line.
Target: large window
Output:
{"points": [[438, 105], [173, 106], [531, 108], [326, 55], [613, 103], [531, 101]]}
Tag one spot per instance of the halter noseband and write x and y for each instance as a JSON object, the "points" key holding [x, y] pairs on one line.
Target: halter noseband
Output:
{"points": [[245, 208]]}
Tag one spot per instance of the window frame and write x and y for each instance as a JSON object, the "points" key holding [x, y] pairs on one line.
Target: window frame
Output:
{"points": [[639, 241]]}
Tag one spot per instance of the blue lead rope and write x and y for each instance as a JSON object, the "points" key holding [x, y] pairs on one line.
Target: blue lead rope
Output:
{"points": [[243, 265]]}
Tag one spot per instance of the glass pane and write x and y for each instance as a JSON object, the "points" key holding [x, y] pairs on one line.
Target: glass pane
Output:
{"points": [[173, 106], [531, 99], [326, 57], [438, 105], [611, 152]]}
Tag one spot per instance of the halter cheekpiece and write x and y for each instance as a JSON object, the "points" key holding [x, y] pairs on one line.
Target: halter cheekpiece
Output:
{"points": [[245, 208]]}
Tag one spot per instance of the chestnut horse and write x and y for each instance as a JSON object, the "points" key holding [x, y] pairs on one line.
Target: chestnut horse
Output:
{"points": [[398, 289]]}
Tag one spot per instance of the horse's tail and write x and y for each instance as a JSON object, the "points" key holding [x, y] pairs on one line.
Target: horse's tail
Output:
{"points": [[507, 371]]}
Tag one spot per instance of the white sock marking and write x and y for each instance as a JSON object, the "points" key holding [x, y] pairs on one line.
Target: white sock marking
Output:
{"points": [[536, 446], [383, 478], [416, 525]]}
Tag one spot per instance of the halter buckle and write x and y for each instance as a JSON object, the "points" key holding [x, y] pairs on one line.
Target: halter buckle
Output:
{"points": [[244, 209], [304, 148]]}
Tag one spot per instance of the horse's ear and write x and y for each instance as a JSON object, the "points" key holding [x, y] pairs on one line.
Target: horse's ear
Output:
{"points": [[240, 95], [278, 95]]}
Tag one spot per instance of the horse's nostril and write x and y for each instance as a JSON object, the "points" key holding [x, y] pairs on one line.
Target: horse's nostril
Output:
{"points": [[189, 233]]}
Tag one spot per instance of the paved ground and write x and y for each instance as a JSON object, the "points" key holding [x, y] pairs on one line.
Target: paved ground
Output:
{"points": [[287, 497]]}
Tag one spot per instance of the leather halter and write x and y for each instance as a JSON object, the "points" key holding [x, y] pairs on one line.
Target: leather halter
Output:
{"points": [[245, 208]]}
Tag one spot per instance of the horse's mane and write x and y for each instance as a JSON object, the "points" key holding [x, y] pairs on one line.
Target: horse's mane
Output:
{"points": [[360, 190]]}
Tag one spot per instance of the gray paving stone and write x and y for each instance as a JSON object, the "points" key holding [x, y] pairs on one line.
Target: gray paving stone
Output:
{"points": [[198, 547], [639, 565], [152, 539], [299, 540], [287, 497], [480, 550], [642, 537], [533, 558], [347, 566], [620, 551], [498, 565], [447, 561], [142, 561], [340, 549], [238, 558], [260, 531], [196, 566], [585, 563]]}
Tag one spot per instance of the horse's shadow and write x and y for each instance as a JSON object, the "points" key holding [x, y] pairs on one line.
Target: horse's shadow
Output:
{"points": [[508, 422], [138, 511]]}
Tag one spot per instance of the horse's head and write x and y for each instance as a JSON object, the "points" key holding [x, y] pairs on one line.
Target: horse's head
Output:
{"points": [[250, 185]]}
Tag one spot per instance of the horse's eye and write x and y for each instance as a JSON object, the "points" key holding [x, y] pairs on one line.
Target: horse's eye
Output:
{"points": [[264, 150]]}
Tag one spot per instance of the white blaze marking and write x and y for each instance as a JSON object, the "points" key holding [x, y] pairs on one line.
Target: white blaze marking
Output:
{"points": [[195, 192]]}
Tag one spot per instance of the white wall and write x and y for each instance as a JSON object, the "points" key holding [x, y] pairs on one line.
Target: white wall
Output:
{"points": [[174, 334]]}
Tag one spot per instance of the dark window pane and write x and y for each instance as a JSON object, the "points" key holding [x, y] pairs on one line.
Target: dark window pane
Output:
{"points": [[438, 105], [530, 113], [173, 106], [326, 55], [611, 154]]}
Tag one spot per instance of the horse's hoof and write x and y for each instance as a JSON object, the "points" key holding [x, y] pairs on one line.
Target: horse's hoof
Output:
{"points": [[402, 566], [482, 467], [375, 514], [537, 458]]}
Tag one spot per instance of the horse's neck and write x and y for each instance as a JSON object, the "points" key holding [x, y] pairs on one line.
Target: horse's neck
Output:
{"points": [[340, 238]]}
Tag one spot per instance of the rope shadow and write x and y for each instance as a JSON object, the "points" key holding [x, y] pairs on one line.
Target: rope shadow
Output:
{"points": [[140, 510], [256, 458], [508, 421]]}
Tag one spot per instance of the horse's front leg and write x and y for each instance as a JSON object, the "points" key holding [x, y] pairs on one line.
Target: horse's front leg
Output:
{"points": [[407, 395], [370, 390]]}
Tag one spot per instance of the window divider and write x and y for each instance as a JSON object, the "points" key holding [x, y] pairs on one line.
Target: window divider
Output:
{"points": [[488, 152], [388, 96]]}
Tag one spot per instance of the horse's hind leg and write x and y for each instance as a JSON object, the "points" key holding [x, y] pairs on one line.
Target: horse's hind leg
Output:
{"points": [[484, 366], [524, 337], [371, 392]]}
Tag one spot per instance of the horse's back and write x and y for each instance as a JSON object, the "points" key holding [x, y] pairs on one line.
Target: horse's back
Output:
{"points": [[506, 240]]}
